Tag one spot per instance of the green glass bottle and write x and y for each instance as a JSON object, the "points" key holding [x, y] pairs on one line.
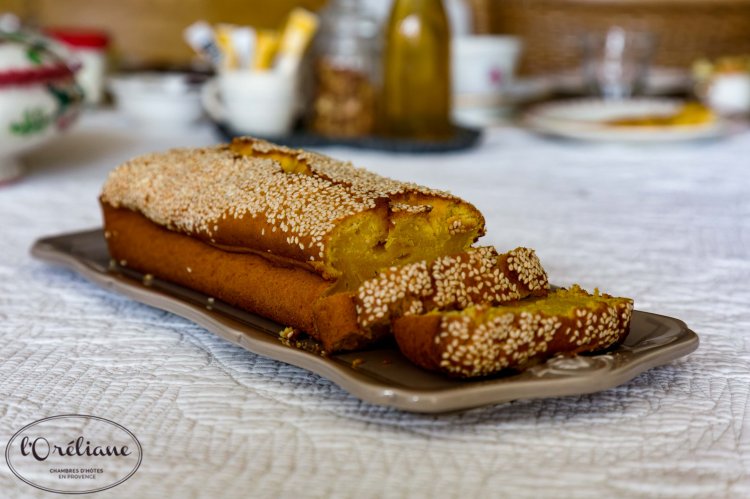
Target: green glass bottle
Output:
{"points": [[416, 98]]}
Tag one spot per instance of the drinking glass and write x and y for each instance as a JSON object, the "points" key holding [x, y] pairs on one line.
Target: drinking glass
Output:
{"points": [[615, 63]]}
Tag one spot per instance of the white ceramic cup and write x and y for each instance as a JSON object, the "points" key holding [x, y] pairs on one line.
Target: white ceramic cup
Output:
{"points": [[156, 100], [483, 70], [255, 102]]}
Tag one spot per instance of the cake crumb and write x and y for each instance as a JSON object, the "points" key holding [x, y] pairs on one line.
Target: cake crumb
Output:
{"points": [[287, 333]]}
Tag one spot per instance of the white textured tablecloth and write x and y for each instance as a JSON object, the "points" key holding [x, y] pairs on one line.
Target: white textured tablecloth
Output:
{"points": [[668, 225]]}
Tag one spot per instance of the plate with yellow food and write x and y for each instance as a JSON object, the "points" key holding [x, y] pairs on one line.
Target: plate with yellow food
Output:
{"points": [[631, 120]]}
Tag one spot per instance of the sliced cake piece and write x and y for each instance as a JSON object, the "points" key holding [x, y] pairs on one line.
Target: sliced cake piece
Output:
{"points": [[349, 321], [482, 340]]}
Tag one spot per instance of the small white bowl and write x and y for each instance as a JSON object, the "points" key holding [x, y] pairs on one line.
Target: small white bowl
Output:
{"points": [[729, 94], [158, 99]]}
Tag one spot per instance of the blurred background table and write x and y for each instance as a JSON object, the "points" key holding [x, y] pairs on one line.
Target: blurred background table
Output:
{"points": [[666, 224]]}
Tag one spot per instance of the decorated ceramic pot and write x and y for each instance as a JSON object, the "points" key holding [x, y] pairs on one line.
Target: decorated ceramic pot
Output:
{"points": [[39, 97]]}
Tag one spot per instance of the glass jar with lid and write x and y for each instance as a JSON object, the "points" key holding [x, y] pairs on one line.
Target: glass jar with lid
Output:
{"points": [[345, 69]]}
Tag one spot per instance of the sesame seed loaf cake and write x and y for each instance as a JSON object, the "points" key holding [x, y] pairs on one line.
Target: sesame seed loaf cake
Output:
{"points": [[352, 320], [347, 257], [302, 208], [482, 340]]}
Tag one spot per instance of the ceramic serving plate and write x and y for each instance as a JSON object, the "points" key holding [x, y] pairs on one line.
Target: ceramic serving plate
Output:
{"points": [[586, 119], [381, 375]]}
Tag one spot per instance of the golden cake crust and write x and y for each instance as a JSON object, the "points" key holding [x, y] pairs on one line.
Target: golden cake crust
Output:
{"points": [[285, 294]]}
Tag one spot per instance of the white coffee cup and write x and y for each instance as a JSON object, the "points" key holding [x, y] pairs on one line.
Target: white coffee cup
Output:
{"points": [[483, 70], [254, 102]]}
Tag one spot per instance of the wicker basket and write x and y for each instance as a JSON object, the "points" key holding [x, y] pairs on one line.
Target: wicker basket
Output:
{"points": [[685, 29]]}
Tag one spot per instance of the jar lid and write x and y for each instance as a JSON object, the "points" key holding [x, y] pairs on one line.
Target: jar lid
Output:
{"points": [[27, 58], [80, 38]]}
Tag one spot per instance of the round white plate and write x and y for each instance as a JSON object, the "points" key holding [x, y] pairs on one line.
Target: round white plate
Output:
{"points": [[586, 119]]}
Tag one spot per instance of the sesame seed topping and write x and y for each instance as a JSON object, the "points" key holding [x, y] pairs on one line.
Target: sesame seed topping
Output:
{"points": [[484, 340], [479, 275], [302, 194]]}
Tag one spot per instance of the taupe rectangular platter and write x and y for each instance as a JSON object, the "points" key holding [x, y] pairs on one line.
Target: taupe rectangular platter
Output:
{"points": [[381, 376]]}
